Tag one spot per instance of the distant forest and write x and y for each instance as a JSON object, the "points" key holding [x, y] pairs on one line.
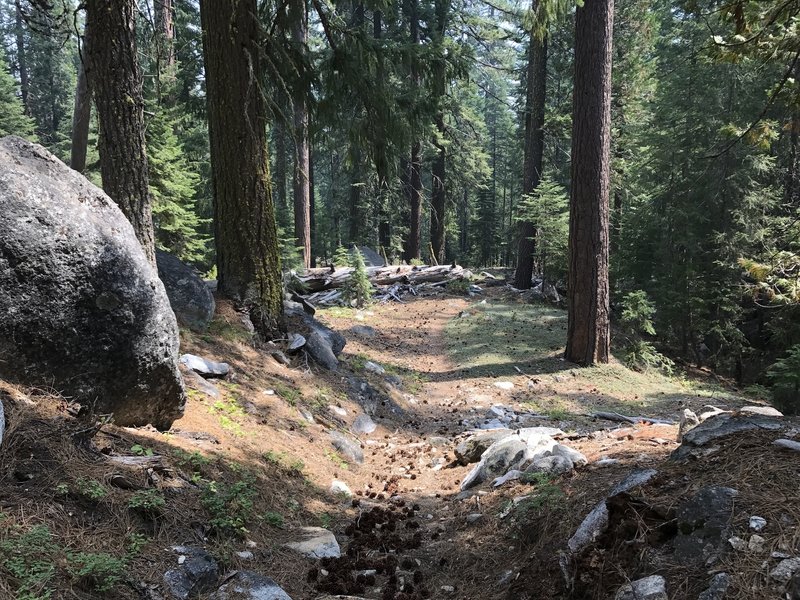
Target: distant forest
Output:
{"points": [[441, 131]]}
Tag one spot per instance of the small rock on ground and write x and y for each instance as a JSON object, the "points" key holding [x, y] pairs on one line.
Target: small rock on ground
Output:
{"points": [[205, 367], [316, 543], [648, 588], [247, 585], [363, 424], [197, 572], [717, 588], [787, 445], [347, 447], [785, 570], [340, 487]]}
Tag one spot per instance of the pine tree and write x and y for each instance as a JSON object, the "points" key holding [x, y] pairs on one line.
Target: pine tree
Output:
{"points": [[13, 120]]}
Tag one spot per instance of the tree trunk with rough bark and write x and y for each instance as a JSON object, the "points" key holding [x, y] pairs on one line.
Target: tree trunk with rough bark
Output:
{"points": [[298, 18], [588, 335], [533, 153], [116, 84], [248, 261], [81, 114], [22, 62], [439, 168]]}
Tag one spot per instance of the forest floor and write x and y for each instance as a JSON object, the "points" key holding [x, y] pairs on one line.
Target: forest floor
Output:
{"points": [[242, 472]]}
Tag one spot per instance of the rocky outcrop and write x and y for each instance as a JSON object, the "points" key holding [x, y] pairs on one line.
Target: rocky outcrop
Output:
{"points": [[189, 296], [83, 310], [322, 343]]}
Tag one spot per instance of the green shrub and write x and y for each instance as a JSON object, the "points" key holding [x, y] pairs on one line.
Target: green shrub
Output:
{"points": [[90, 489], [637, 321], [30, 557], [96, 571], [230, 506], [458, 287], [147, 501], [785, 378]]}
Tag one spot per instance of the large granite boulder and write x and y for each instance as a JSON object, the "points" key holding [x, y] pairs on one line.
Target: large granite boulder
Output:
{"points": [[189, 296], [83, 310]]}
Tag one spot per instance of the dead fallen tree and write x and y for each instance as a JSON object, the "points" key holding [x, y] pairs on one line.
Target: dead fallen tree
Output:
{"points": [[320, 280]]}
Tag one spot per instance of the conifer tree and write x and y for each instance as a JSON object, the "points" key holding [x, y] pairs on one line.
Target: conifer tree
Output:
{"points": [[13, 120]]}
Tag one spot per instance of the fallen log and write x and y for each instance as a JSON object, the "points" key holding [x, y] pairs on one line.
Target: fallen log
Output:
{"points": [[617, 417], [319, 280]]}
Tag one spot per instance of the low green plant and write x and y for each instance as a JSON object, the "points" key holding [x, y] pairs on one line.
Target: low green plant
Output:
{"points": [[29, 557], [91, 489], [290, 394], [96, 571], [140, 450], [336, 459], [149, 501], [358, 362], [325, 519], [785, 378], [273, 518], [458, 287], [230, 506], [136, 541]]}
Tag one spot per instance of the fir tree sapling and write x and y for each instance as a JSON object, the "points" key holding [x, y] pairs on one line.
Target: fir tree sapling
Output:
{"points": [[358, 289], [13, 120]]}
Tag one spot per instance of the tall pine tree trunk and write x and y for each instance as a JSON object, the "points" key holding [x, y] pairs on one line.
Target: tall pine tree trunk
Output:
{"points": [[116, 83], [588, 336], [81, 113], [165, 44], [415, 202], [300, 180], [22, 62], [245, 234], [439, 168], [279, 177], [312, 204], [533, 156]]}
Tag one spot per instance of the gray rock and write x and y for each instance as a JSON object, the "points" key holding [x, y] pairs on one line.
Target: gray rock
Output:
{"points": [[196, 382], [373, 367], [280, 358], [785, 570], [205, 367], [719, 426], [689, 420], [552, 465], [322, 343], [189, 296], [347, 447], [704, 524], [474, 518], [296, 341], [787, 445], [764, 411], [498, 459], [340, 487], [717, 588], [596, 521], [197, 573], [471, 449], [247, 585], [363, 424], [757, 523], [83, 310], [364, 331], [648, 588], [512, 475], [316, 542]]}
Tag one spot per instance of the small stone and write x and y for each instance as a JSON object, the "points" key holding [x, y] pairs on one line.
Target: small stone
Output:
{"points": [[245, 555], [766, 411], [268, 392], [338, 410], [474, 518], [757, 523], [505, 578], [504, 385], [717, 588], [373, 367], [296, 341], [607, 462], [363, 424], [340, 487], [738, 543], [756, 543], [448, 589], [316, 543], [785, 570], [648, 588], [205, 367], [247, 585], [787, 445]]}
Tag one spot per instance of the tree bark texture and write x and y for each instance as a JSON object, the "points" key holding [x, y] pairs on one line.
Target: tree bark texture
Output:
{"points": [[588, 336], [165, 25], [533, 156], [439, 168], [298, 18], [81, 114], [22, 62], [415, 165], [248, 261], [116, 83]]}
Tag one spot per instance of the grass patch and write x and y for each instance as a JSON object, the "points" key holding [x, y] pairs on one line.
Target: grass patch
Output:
{"points": [[289, 394], [221, 328], [336, 459], [230, 506]]}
